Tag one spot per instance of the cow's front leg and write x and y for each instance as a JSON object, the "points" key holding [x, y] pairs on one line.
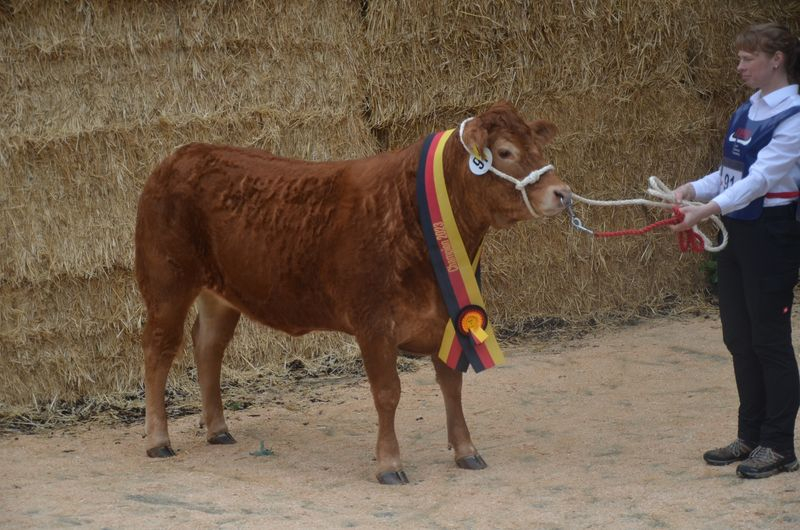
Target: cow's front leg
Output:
{"points": [[449, 380], [380, 362]]}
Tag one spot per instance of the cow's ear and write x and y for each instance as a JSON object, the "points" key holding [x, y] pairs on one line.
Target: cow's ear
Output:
{"points": [[475, 136], [544, 130]]}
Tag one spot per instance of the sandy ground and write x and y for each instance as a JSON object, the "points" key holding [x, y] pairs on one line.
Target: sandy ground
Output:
{"points": [[606, 431]]}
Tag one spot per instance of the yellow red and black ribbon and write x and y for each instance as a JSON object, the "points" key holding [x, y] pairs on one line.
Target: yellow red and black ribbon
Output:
{"points": [[469, 339]]}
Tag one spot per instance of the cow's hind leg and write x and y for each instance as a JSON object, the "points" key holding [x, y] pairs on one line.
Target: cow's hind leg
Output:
{"points": [[161, 340], [449, 380], [380, 362], [213, 329]]}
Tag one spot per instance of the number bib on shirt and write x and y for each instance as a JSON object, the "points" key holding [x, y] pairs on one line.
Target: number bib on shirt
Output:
{"points": [[731, 172]]}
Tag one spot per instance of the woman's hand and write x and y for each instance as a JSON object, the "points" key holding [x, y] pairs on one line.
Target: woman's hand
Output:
{"points": [[693, 214], [684, 193]]}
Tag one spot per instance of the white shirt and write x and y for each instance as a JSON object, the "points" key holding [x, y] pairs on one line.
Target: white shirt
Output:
{"points": [[777, 165]]}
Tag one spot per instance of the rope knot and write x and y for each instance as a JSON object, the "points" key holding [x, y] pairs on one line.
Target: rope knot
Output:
{"points": [[678, 215]]}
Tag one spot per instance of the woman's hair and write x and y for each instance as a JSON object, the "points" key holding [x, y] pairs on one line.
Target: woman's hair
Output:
{"points": [[770, 38]]}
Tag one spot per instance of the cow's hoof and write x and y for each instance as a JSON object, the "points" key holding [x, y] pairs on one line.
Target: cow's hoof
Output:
{"points": [[160, 452], [393, 478], [223, 438], [471, 462]]}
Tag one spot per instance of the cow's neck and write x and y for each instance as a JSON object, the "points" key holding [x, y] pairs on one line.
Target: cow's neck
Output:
{"points": [[470, 212]]}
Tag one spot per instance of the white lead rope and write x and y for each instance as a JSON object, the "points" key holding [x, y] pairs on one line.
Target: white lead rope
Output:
{"points": [[659, 189]]}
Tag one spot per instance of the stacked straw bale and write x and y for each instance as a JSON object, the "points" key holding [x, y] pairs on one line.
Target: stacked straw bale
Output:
{"points": [[94, 94], [97, 94]]}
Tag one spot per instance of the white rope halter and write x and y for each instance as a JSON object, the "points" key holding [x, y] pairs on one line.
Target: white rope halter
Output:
{"points": [[532, 177]]}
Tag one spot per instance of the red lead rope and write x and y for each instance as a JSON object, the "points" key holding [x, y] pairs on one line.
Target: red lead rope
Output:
{"points": [[687, 239]]}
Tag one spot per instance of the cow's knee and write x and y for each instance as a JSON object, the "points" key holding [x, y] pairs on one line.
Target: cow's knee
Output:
{"points": [[387, 398]]}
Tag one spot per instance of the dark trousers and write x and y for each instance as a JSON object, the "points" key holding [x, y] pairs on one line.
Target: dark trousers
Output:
{"points": [[757, 274]]}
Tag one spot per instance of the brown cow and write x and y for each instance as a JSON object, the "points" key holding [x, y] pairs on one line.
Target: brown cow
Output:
{"points": [[302, 246]]}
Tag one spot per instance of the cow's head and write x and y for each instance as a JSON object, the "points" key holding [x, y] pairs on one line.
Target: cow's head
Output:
{"points": [[516, 150]]}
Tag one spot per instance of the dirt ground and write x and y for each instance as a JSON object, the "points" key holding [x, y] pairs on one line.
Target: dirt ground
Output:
{"points": [[605, 431]]}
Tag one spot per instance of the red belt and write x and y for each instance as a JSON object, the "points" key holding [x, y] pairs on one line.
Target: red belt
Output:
{"points": [[783, 195]]}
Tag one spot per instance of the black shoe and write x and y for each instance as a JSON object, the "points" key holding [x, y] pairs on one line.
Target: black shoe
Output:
{"points": [[763, 462], [734, 452]]}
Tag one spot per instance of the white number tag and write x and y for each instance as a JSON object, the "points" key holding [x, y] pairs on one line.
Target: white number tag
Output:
{"points": [[730, 172], [481, 166]]}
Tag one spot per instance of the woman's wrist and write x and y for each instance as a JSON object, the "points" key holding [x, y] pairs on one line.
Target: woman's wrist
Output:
{"points": [[712, 208], [690, 193]]}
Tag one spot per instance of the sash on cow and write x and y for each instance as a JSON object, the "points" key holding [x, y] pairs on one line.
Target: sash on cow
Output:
{"points": [[469, 339]]}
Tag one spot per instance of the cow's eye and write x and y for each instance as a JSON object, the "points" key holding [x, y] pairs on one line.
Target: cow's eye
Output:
{"points": [[504, 153]]}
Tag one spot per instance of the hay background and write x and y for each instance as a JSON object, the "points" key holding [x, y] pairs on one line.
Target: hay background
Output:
{"points": [[94, 94]]}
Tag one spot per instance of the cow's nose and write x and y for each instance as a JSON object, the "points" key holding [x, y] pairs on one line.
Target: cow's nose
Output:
{"points": [[564, 194]]}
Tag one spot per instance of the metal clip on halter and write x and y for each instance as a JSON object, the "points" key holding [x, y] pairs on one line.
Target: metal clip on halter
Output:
{"points": [[573, 219]]}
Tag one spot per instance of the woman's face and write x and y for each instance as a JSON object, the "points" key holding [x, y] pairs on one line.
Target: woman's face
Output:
{"points": [[756, 68]]}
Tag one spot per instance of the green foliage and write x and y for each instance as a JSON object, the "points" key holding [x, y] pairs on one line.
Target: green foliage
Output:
{"points": [[709, 269]]}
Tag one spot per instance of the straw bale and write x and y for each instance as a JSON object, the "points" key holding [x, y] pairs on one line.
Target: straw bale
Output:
{"points": [[102, 91], [66, 368], [71, 202], [99, 93], [435, 58], [74, 68], [473, 53], [71, 337]]}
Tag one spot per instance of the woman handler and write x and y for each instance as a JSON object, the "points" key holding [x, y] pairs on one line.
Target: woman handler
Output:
{"points": [[756, 191]]}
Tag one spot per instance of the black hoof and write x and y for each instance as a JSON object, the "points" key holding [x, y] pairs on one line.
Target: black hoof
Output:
{"points": [[393, 478], [160, 452], [471, 462], [223, 438]]}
